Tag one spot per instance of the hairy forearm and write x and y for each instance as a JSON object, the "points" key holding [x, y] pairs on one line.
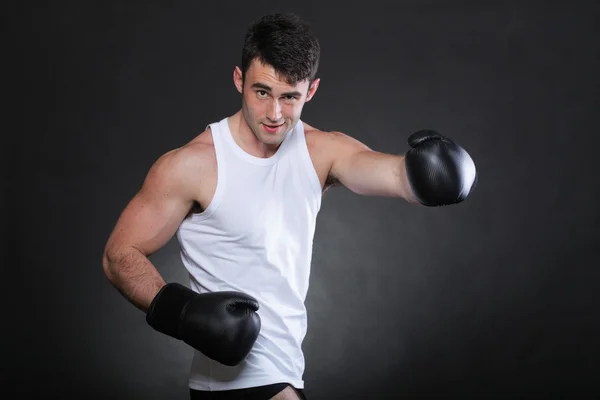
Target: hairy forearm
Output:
{"points": [[133, 275]]}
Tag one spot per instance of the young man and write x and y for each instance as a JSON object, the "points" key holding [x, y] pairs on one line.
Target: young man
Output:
{"points": [[243, 198]]}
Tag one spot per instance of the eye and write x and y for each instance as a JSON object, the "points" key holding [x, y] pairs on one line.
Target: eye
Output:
{"points": [[261, 93]]}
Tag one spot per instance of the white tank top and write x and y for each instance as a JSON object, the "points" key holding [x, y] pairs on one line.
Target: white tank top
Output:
{"points": [[256, 237]]}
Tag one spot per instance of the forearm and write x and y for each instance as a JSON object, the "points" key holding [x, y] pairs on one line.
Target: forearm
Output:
{"points": [[372, 173], [133, 275], [405, 190]]}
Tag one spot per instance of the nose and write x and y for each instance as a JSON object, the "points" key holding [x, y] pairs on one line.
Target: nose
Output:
{"points": [[274, 111]]}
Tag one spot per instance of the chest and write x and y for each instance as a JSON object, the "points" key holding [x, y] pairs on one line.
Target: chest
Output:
{"points": [[320, 158], [267, 205]]}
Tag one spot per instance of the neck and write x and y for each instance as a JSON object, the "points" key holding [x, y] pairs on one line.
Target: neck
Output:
{"points": [[247, 140]]}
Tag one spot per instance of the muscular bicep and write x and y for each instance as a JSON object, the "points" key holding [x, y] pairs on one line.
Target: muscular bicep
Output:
{"points": [[153, 215]]}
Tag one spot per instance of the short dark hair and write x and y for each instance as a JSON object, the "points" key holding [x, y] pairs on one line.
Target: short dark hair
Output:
{"points": [[285, 42]]}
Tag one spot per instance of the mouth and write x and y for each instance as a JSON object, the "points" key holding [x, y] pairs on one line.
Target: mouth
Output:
{"points": [[272, 128]]}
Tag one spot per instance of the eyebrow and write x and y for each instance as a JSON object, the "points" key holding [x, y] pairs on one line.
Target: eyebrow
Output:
{"points": [[266, 88]]}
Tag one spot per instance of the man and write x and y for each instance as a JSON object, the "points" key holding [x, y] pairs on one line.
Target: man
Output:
{"points": [[242, 198]]}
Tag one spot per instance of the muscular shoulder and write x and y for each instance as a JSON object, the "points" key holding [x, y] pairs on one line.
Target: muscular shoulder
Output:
{"points": [[329, 150], [327, 139], [322, 149], [198, 153], [315, 136], [316, 140], [333, 144], [188, 162]]}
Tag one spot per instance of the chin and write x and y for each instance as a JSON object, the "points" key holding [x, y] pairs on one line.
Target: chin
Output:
{"points": [[272, 140], [267, 138]]}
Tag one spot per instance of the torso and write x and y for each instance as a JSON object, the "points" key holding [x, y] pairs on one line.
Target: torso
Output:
{"points": [[203, 145]]}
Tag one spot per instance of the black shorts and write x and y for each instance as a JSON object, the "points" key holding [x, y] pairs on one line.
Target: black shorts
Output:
{"points": [[254, 393]]}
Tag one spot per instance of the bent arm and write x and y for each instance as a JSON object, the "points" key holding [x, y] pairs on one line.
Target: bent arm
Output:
{"points": [[367, 172], [146, 224]]}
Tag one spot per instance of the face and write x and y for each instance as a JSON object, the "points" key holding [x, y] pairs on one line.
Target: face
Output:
{"points": [[271, 107]]}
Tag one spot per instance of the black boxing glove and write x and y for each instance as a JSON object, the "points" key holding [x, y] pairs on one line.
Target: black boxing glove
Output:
{"points": [[221, 325], [439, 171]]}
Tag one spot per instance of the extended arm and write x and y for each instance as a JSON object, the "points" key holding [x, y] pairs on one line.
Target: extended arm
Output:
{"points": [[434, 172], [368, 172]]}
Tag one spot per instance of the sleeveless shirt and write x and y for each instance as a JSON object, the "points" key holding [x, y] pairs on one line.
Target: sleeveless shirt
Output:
{"points": [[256, 237]]}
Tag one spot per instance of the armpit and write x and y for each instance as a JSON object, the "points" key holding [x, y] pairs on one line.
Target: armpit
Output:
{"points": [[330, 182]]}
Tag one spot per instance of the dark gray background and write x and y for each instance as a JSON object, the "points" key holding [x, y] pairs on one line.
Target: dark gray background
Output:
{"points": [[494, 297]]}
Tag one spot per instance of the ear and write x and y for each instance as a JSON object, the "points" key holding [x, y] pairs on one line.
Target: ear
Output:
{"points": [[313, 89], [238, 80]]}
